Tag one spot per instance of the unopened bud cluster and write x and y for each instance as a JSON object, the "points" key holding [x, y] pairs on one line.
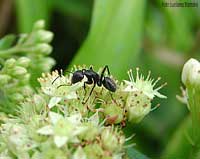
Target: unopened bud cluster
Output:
{"points": [[14, 82], [38, 40], [22, 64]]}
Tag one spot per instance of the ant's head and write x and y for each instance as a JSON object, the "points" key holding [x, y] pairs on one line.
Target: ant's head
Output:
{"points": [[77, 76]]}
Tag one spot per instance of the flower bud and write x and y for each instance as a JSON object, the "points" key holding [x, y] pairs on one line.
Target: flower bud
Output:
{"points": [[42, 48], [90, 133], [10, 63], [23, 61], [113, 112], [40, 24], [17, 97], [191, 72], [138, 105], [25, 78], [112, 140], [79, 154], [47, 63], [93, 151], [19, 71], [43, 36], [39, 102], [26, 90], [4, 79]]}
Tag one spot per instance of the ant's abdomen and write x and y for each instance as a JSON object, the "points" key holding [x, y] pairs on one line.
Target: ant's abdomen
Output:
{"points": [[109, 84]]}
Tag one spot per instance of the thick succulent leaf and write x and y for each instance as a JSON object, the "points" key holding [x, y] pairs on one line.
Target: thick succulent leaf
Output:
{"points": [[115, 35], [134, 154], [7, 41], [30, 11]]}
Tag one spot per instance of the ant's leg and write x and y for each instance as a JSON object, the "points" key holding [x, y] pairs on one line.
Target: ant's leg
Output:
{"points": [[84, 87], [111, 96], [89, 81], [102, 74], [62, 85], [90, 93], [91, 67]]}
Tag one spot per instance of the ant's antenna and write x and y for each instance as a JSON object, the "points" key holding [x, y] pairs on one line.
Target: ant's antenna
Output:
{"points": [[60, 75], [55, 79], [69, 72]]}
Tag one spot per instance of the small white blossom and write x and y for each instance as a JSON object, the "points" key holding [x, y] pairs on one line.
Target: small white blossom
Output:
{"points": [[58, 87], [79, 154], [63, 129], [53, 101], [141, 84], [140, 91]]}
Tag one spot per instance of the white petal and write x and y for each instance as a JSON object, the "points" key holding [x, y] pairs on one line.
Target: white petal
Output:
{"points": [[79, 154], [94, 119], [46, 130], [75, 118], [60, 140], [48, 90], [130, 88], [160, 95], [71, 95], [53, 101], [54, 117], [76, 86], [79, 130]]}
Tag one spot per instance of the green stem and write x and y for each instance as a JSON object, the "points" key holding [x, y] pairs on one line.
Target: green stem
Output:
{"points": [[180, 145], [8, 51], [194, 103], [13, 50]]}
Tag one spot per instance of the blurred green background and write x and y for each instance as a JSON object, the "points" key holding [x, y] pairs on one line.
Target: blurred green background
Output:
{"points": [[123, 34]]}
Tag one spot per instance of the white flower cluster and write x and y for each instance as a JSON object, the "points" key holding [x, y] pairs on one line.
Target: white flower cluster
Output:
{"points": [[56, 123]]}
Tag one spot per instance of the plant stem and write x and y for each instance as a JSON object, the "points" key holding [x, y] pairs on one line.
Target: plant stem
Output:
{"points": [[13, 50], [9, 51], [194, 104]]}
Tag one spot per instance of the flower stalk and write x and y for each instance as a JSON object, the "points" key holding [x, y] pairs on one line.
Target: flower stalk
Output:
{"points": [[191, 79]]}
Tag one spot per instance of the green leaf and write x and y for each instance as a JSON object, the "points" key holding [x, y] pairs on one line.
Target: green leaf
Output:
{"points": [[7, 41], [115, 35], [179, 145], [134, 154], [76, 8], [174, 19], [29, 11]]}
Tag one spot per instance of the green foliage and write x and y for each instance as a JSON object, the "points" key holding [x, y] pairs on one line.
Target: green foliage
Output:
{"points": [[7, 41], [180, 145], [78, 8], [134, 154], [115, 35], [30, 11]]}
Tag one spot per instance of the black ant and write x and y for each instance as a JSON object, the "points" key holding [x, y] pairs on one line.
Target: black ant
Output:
{"points": [[94, 78]]}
